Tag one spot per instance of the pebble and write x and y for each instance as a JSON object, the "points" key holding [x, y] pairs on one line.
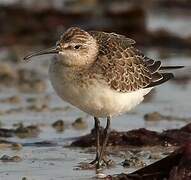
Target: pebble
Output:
{"points": [[154, 116], [79, 123], [59, 125], [28, 131], [16, 146], [6, 158]]}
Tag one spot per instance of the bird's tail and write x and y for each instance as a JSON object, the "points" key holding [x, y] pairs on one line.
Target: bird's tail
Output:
{"points": [[170, 67], [162, 75]]}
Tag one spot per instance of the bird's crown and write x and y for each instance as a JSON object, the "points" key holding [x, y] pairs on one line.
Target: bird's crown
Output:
{"points": [[73, 36]]}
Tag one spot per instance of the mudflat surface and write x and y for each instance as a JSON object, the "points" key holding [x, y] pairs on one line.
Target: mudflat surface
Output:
{"points": [[53, 159]]}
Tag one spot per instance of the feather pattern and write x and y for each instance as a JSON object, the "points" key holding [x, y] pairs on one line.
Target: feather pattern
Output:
{"points": [[123, 67]]}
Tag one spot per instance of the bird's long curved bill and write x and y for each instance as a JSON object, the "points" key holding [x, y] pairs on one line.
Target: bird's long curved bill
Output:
{"points": [[47, 51]]}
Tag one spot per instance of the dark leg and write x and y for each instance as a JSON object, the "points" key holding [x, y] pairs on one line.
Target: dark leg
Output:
{"points": [[100, 157], [96, 127], [105, 139]]}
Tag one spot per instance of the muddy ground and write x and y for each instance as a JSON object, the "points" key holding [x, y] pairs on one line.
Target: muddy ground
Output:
{"points": [[42, 149]]}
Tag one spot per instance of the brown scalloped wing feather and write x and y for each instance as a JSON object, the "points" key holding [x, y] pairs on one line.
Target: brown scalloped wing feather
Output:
{"points": [[122, 66]]}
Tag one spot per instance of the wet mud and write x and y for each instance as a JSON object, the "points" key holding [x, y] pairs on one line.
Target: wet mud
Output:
{"points": [[176, 166]]}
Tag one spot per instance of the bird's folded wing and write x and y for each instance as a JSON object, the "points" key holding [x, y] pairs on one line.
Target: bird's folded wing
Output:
{"points": [[123, 67]]}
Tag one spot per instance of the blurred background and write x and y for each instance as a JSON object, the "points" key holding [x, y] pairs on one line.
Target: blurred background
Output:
{"points": [[158, 23], [30, 111]]}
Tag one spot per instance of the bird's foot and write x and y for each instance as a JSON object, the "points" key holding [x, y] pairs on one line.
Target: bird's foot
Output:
{"points": [[96, 164]]}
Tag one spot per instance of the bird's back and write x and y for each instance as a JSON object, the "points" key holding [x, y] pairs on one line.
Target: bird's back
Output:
{"points": [[123, 66]]}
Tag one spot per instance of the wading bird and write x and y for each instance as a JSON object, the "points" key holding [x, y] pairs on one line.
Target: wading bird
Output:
{"points": [[103, 74]]}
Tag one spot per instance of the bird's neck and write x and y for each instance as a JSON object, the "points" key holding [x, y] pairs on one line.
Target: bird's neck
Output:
{"points": [[64, 71]]}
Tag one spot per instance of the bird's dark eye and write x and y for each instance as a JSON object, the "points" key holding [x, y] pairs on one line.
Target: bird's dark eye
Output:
{"points": [[77, 46]]}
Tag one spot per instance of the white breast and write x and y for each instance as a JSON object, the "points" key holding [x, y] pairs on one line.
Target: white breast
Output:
{"points": [[96, 99]]}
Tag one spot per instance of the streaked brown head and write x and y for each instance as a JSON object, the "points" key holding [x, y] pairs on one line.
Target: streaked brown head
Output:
{"points": [[76, 47], [75, 35]]}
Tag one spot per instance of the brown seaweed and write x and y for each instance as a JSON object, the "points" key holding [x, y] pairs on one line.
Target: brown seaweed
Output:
{"points": [[139, 137]]}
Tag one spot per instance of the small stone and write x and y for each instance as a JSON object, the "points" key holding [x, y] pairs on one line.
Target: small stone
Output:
{"points": [[132, 161], [154, 116], [31, 100], [28, 131], [58, 125], [79, 123], [6, 158], [125, 163], [4, 132], [16, 146]]}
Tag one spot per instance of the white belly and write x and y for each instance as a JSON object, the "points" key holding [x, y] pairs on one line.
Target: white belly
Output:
{"points": [[97, 99]]}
